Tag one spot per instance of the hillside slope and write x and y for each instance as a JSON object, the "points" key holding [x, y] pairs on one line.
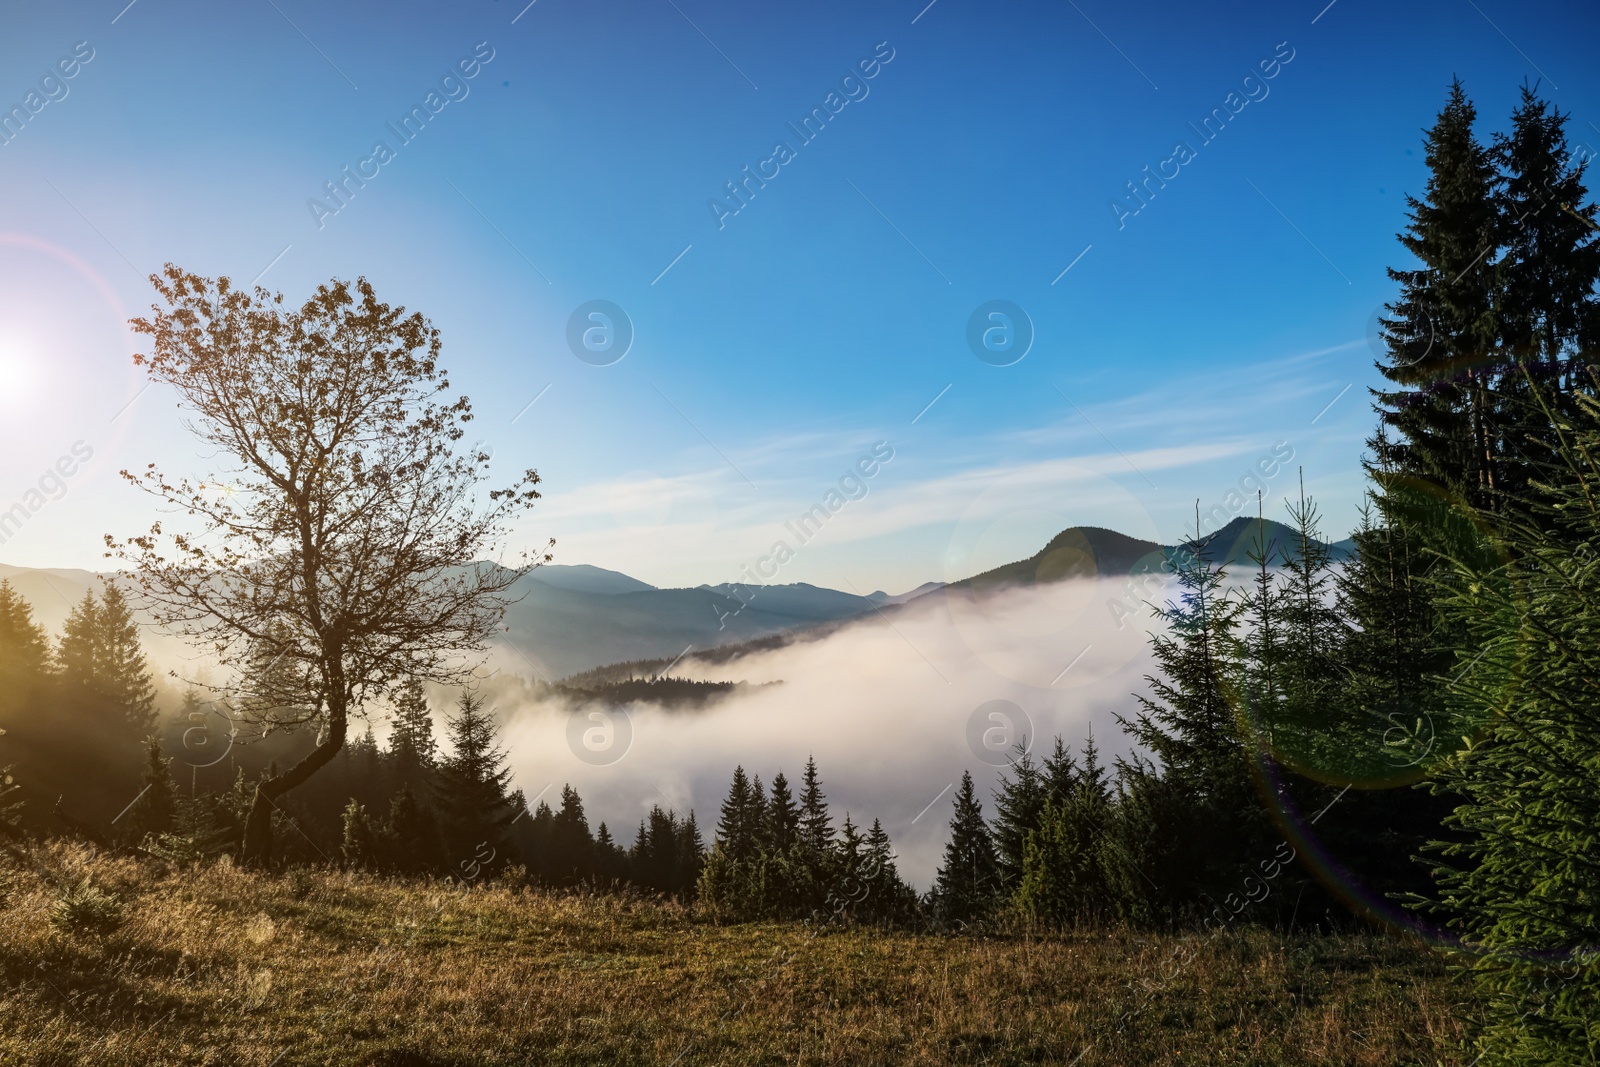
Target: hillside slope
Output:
{"points": [[215, 965]]}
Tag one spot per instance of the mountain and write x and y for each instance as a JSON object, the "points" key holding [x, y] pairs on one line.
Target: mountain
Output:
{"points": [[582, 578], [52, 593], [574, 619], [882, 599], [1076, 552], [1232, 545], [559, 630]]}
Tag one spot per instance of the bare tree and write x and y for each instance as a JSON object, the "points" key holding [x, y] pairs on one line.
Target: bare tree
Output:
{"points": [[341, 550]]}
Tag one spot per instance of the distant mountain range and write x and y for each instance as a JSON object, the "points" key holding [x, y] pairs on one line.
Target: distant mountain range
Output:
{"points": [[574, 619]]}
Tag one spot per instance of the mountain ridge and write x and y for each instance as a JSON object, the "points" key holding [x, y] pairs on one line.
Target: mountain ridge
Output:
{"points": [[575, 619]]}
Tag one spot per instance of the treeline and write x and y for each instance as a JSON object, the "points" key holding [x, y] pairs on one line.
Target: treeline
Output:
{"points": [[73, 711], [421, 808], [1487, 507], [1433, 697], [779, 856], [1259, 719]]}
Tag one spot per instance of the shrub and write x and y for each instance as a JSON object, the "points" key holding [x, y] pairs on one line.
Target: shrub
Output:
{"points": [[85, 910]]}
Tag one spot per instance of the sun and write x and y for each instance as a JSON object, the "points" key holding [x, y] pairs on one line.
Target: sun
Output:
{"points": [[18, 368]]}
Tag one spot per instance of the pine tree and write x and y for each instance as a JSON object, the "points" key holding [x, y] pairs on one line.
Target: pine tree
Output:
{"points": [[889, 898], [783, 817], [1521, 879], [10, 805], [412, 748], [611, 859], [816, 829], [737, 836], [24, 666], [1443, 332], [472, 782], [691, 857], [196, 835], [123, 672], [1065, 878], [968, 881], [152, 812], [1305, 726], [657, 857], [1200, 792], [103, 667], [1019, 810], [571, 847], [409, 836]]}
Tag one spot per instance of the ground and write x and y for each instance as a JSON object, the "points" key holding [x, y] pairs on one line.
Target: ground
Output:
{"points": [[222, 966]]}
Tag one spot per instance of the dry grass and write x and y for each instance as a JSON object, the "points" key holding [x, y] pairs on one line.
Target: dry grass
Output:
{"points": [[221, 966]]}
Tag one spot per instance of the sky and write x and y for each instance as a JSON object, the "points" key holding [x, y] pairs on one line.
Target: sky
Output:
{"points": [[962, 160]]}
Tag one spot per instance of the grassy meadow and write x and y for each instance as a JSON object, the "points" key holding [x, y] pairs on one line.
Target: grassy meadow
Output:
{"points": [[125, 961]]}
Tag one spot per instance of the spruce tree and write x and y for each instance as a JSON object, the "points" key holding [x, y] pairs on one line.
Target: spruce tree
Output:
{"points": [[409, 834], [1019, 810], [737, 835], [124, 673], [196, 834], [731, 881], [1548, 310], [152, 812], [1305, 727], [1551, 262], [1191, 722], [10, 805], [103, 667], [1521, 880], [969, 878], [783, 817], [812, 870], [1198, 799], [691, 856], [889, 898], [1391, 653], [571, 848], [413, 751], [75, 649], [1443, 332], [657, 860], [25, 679], [1065, 878], [1264, 652], [816, 829], [850, 855], [611, 859], [472, 782], [1060, 771]]}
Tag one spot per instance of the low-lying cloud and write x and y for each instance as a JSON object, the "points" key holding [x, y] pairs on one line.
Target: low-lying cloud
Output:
{"points": [[885, 704]]}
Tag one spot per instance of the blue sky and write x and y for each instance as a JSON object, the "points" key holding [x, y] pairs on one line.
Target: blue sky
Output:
{"points": [[772, 351]]}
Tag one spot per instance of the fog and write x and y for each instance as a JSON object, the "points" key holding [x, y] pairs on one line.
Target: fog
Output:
{"points": [[888, 705]]}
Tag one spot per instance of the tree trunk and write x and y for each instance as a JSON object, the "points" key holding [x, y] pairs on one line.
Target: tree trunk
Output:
{"points": [[257, 848]]}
